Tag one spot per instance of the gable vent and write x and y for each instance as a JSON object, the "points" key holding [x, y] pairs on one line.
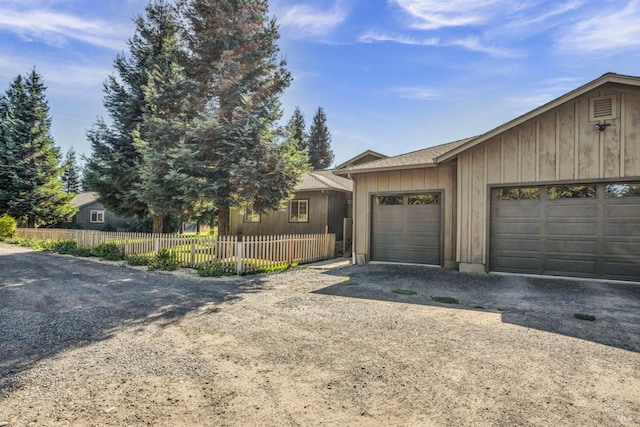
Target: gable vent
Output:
{"points": [[602, 108]]}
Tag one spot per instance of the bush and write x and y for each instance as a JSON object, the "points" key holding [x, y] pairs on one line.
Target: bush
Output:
{"points": [[7, 227], [65, 247], [83, 252], [109, 252], [134, 259], [272, 269], [164, 260], [215, 270]]}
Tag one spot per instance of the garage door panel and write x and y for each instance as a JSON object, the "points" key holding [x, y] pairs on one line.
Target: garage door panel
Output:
{"points": [[522, 210], [406, 232], [582, 237]]}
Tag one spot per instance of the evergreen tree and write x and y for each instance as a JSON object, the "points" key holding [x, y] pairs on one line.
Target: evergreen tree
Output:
{"points": [[319, 145], [296, 132], [116, 165], [234, 62], [71, 176], [31, 190]]}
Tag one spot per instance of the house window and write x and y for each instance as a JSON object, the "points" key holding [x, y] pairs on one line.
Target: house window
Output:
{"points": [[572, 192], [97, 216], [424, 199], [622, 190], [251, 216], [299, 211], [389, 200], [530, 193]]}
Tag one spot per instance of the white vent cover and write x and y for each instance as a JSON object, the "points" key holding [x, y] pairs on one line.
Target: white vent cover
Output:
{"points": [[602, 108]]}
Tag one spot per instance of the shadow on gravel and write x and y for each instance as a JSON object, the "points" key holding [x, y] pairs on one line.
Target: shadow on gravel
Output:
{"points": [[547, 304], [51, 303]]}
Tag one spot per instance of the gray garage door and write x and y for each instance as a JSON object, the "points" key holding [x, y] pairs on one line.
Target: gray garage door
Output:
{"points": [[406, 228], [579, 230]]}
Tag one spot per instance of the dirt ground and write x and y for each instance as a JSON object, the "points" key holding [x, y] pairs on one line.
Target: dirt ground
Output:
{"points": [[84, 343]]}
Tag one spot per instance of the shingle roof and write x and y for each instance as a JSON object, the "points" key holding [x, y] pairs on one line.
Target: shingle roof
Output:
{"points": [[423, 157], [323, 180], [86, 198]]}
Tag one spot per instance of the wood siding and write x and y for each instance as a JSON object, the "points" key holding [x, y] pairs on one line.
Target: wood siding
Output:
{"points": [[559, 145], [441, 179], [324, 210], [111, 221]]}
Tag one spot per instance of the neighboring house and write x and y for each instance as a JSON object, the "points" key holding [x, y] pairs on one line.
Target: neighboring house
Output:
{"points": [[321, 204], [92, 215], [555, 191]]}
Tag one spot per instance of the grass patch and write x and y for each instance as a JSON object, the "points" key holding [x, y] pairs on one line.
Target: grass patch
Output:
{"points": [[446, 300], [479, 307], [404, 291], [581, 316], [348, 283], [215, 270]]}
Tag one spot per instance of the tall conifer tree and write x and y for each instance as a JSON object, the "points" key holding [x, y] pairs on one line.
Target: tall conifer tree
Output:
{"points": [[296, 130], [70, 175], [319, 144], [31, 190], [240, 78]]}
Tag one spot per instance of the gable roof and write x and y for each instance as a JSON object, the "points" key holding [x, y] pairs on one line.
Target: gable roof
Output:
{"points": [[86, 198], [604, 79], [355, 160], [324, 180], [424, 158]]}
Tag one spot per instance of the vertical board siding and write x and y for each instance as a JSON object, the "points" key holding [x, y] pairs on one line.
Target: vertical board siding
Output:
{"points": [[419, 179], [257, 252], [561, 144]]}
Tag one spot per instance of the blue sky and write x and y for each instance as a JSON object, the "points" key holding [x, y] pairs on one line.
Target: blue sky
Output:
{"points": [[392, 75]]}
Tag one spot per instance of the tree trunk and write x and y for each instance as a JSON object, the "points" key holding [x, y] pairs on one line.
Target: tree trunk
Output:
{"points": [[162, 223], [31, 222], [224, 228]]}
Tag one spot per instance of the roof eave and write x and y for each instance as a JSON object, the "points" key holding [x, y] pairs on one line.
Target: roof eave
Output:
{"points": [[347, 172], [604, 79]]}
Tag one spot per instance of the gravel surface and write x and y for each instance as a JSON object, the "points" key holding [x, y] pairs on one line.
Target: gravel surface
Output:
{"points": [[85, 343]]}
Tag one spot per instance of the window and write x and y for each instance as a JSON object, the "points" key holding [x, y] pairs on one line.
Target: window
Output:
{"points": [[97, 216], [622, 190], [299, 211], [424, 199], [532, 193], [572, 192], [389, 200], [251, 216]]}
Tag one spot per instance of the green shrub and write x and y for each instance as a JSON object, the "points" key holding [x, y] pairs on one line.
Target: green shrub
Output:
{"points": [[215, 270], [135, 259], [7, 227], [83, 252], [65, 247], [272, 269], [109, 252], [164, 260]]}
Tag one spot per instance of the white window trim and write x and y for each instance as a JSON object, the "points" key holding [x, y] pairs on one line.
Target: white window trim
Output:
{"points": [[248, 213], [99, 214], [298, 201]]}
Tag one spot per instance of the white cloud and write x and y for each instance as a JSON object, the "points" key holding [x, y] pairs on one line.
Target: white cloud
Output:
{"points": [[605, 30], [434, 14], [58, 28], [376, 37], [415, 93], [308, 21]]}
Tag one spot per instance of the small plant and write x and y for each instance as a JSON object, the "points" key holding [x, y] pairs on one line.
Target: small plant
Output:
{"points": [[135, 259], [404, 291], [68, 247], [165, 260], [272, 268], [215, 270], [445, 300], [82, 252], [109, 252], [7, 227], [581, 316]]}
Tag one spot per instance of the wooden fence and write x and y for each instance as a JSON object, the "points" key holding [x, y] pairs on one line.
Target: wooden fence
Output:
{"points": [[245, 254]]}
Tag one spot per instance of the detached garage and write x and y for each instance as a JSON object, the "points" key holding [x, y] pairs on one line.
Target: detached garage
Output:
{"points": [[555, 191]]}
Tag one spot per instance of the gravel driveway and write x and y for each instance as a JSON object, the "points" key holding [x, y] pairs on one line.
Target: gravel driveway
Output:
{"points": [[97, 344]]}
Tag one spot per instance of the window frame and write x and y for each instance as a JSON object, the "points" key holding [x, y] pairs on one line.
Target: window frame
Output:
{"points": [[248, 213], [98, 213], [298, 201]]}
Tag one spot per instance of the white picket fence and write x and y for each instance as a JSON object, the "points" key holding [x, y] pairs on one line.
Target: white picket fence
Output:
{"points": [[245, 254]]}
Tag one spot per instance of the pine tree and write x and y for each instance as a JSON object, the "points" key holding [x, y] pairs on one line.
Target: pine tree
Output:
{"points": [[296, 130], [70, 176], [31, 190], [116, 165], [319, 145], [234, 62]]}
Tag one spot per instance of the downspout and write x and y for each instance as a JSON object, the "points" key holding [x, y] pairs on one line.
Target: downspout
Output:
{"points": [[353, 219]]}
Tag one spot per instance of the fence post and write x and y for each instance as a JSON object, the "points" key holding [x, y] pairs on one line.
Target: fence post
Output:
{"points": [[290, 251], [239, 258], [156, 245], [193, 253]]}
